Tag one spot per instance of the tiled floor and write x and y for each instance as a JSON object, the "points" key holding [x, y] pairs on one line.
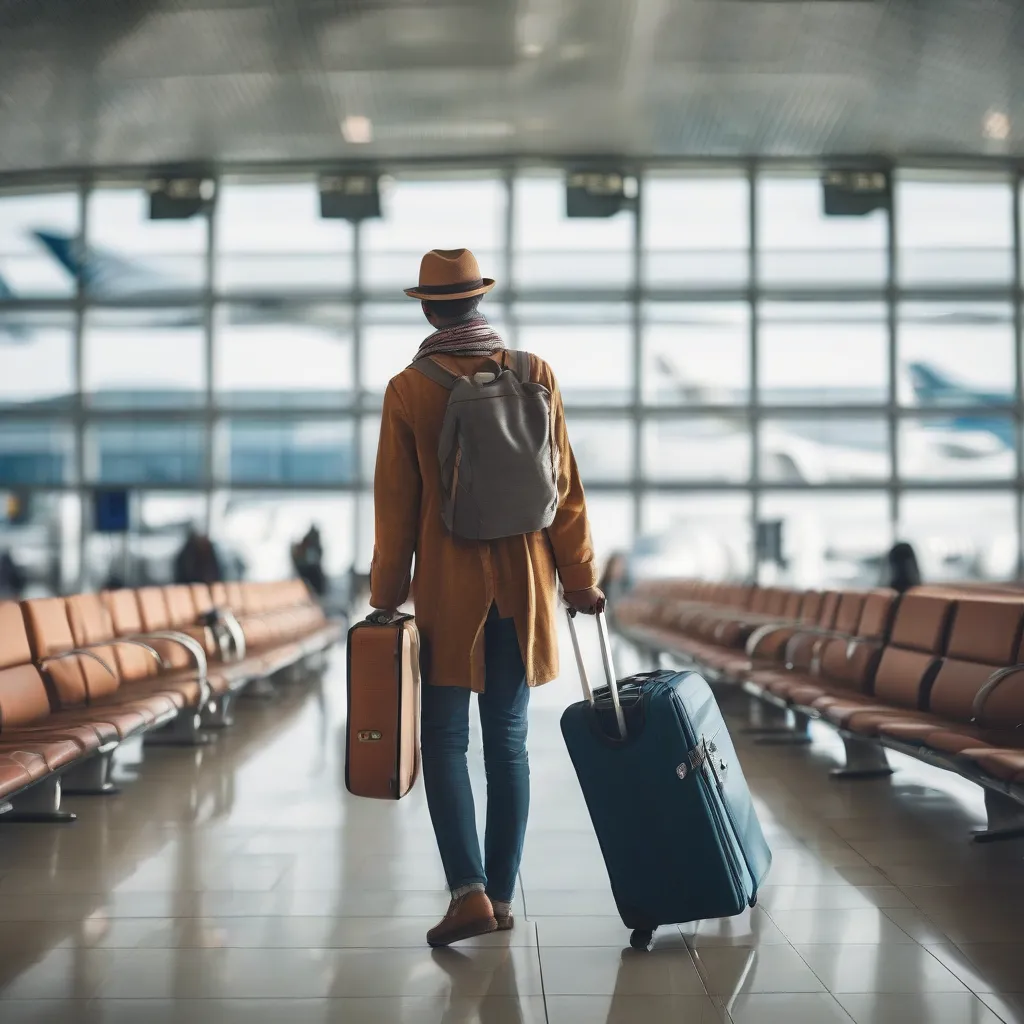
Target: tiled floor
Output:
{"points": [[241, 883]]}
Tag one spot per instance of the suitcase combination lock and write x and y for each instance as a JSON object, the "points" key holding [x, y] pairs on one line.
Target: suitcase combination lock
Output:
{"points": [[705, 752]]}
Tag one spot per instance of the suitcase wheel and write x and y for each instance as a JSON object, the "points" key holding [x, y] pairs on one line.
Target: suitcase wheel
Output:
{"points": [[642, 938]]}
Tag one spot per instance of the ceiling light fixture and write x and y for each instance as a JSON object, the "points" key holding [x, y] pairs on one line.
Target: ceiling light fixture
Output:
{"points": [[996, 125], [357, 130]]}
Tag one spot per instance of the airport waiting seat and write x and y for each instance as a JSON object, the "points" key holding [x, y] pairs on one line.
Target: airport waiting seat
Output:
{"points": [[718, 638], [40, 743], [906, 666], [766, 646], [86, 681], [977, 697]]}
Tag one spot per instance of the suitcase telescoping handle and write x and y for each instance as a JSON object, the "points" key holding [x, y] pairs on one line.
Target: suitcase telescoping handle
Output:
{"points": [[606, 659]]}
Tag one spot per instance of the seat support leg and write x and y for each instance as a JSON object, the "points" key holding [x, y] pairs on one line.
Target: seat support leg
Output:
{"points": [[183, 731], [1005, 818], [39, 805], [767, 719], [218, 714], [92, 777], [864, 760], [260, 689], [797, 736]]}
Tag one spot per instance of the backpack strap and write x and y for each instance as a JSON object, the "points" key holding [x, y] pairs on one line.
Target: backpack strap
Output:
{"points": [[434, 371], [519, 364]]}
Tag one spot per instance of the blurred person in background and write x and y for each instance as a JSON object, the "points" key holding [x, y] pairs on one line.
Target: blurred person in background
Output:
{"points": [[901, 571], [197, 561], [308, 559], [13, 578]]}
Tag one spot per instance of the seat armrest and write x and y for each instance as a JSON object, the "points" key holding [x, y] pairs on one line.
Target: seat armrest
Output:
{"points": [[990, 686], [194, 647]]}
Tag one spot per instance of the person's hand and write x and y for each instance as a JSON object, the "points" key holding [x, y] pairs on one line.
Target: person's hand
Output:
{"points": [[381, 617], [590, 601]]}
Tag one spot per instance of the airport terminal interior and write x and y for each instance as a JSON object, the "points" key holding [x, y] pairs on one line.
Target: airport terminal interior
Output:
{"points": [[771, 249]]}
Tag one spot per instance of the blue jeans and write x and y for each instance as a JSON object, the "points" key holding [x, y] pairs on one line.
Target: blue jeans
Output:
{"points": [[444, 733]]}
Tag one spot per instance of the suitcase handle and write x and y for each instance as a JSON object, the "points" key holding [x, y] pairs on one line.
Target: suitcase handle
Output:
{"points": [[606, 660]]}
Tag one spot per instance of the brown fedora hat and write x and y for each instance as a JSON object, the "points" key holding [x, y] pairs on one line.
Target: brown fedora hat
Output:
{"points": [[447, 274]]}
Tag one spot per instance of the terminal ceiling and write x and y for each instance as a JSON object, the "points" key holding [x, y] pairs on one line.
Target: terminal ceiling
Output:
{"points": [[110, 83]]}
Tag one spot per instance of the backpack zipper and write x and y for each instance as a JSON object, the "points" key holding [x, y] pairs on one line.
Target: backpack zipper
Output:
{"points": [[453, 495]]}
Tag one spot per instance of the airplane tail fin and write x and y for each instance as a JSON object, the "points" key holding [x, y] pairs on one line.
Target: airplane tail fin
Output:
{"points": [[928, 382], [63, 248]]}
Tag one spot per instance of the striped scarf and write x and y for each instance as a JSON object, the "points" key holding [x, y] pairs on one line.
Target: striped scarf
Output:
{"points": [[473, 336]]}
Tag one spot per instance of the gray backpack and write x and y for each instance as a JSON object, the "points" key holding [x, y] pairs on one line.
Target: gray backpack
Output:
{"points": [[499, 465]]}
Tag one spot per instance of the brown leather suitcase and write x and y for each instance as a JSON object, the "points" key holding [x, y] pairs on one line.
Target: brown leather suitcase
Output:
{"points": [[382, 748]]}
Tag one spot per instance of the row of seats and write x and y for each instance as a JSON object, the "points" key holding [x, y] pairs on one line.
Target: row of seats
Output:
{"points": [[81, 674], [938, 673]]}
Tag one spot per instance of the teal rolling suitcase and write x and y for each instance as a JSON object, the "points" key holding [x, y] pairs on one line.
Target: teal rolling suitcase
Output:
{"points": [[665, 791]]}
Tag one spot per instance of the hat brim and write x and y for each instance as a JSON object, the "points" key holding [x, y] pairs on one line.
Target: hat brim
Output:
{"points": [[415, 293]]}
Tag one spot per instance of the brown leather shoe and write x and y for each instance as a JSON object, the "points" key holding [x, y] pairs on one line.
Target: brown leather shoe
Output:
{"points": [[467, 916]]}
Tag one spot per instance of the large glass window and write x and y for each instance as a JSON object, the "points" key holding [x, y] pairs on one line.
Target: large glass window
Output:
{"points": [[955, 354], [824, 449], [553, 251], [289, 357], [131, 452], [697, 448], [611, 522], [696, 353], [38, 237], [696, 231], [464, 213], [603, 447], [259, 529], [271, 238], [818, 354], [290, 451], [144, 358], [800, 245], [953, 230], [588, 348], [34, 452], [36, 357], [698, 535], [960, 535], [40, 530], [958, 447], [829, 539], [158, 524], [131, 256]]}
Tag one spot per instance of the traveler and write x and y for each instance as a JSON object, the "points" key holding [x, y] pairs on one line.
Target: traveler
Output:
{"points": [[13, 578], [308, 559], [901, 570], [487, 610], [197, 561]]}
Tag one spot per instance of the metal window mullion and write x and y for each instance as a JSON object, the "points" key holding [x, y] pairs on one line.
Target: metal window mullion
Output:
{"points": [[892, 315], [754, 391], [637, 360], [358, 307], [1018, 367], [209, 404], [78, 401]]}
